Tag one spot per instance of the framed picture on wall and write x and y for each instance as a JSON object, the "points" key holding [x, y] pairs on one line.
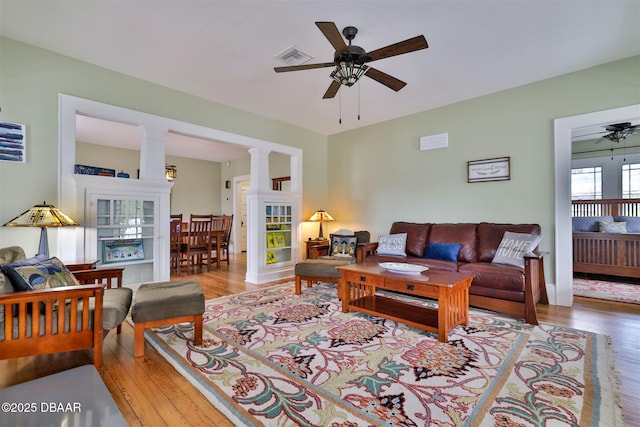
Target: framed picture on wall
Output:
{"points": [[498, 169], [13, 144]]}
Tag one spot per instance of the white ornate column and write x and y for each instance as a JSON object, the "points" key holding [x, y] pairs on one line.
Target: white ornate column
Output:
{"points": [[259, 184], [152, 152], [152, 171]]}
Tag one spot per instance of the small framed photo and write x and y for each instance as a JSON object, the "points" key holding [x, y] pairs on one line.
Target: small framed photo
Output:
{"points": [[498, 169]]}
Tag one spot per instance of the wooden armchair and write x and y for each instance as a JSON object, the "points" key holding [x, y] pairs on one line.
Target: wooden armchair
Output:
{"points": [[70, 317]]}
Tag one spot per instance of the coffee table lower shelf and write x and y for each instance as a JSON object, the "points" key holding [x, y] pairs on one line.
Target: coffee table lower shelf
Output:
{"points": [[419, 317]]}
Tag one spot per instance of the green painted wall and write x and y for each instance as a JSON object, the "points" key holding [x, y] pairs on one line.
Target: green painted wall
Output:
{"points": [[366, 178], [378, 175], [30, 81]]}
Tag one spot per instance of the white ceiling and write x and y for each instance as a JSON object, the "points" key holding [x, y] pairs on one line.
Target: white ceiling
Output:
{"points": [[224, 50]]}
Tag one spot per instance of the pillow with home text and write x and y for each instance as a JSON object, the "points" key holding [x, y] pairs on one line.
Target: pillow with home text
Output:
{"points": [[513, 247]]}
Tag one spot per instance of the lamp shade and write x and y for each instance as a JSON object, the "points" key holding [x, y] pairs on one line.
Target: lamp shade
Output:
{"points": [[41, 216], [321, 216]]}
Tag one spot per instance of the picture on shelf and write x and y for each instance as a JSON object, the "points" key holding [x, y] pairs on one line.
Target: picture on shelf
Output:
{"points": [[280, 240], [271, 257], [121, 250]]}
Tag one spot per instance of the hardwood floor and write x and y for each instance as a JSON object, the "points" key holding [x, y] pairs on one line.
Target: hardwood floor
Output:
{"points": [[149, 391]]}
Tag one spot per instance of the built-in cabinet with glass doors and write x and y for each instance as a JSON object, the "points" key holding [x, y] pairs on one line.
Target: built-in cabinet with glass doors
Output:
{"points": [[125, 230], [277, 233]]}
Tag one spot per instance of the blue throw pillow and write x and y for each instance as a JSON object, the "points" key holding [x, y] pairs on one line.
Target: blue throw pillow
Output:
{"points": [[443, 251]]}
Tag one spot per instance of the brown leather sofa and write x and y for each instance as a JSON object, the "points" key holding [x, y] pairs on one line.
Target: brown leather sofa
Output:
{"points": [[497, 287]]}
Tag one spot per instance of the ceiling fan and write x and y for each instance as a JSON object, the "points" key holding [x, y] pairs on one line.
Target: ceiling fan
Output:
{"points": [[617, 132], [350, 60]]}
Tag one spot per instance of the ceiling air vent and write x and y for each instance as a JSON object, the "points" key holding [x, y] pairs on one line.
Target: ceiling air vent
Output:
{"points": [[293, 56]]}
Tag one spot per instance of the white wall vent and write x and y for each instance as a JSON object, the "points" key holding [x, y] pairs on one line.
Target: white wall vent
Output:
{"points": [[293, 56], [433, 142]]}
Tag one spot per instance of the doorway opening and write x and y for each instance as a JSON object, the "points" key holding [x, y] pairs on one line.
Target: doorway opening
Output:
{"points": [[563, 292]]}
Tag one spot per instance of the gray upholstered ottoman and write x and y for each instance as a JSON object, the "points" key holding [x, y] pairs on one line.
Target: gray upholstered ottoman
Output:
{"points": [[166, 303], [319, 270]]}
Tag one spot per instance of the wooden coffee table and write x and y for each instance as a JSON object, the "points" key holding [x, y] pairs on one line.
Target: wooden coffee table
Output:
{"points": [[358, 284]]}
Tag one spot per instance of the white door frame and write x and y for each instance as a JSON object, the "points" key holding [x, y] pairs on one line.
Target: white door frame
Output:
{"points": [[237, 212], [563, 294]]}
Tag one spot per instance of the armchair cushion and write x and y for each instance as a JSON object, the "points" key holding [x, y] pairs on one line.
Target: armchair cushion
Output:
{"points": [[343, 246], [50, 273], [14, 257], [115, 307]]}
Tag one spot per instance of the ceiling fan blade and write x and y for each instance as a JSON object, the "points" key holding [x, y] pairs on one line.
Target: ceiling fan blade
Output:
{"points": [[303, 67], [409, 45], [332, 34], [384, 78], [618, 126], [333, 89]]}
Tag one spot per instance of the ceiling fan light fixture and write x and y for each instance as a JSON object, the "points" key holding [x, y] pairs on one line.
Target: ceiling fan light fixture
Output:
{"points": [[348, 73], [619, 135]]}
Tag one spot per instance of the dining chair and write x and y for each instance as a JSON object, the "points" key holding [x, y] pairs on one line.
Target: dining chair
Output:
{"points": [[198, 247], [216, 227], [227, 223], [175, 216], [176, 243]]}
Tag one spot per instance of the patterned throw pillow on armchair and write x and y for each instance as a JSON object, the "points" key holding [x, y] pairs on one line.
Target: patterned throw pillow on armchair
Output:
{"points": [[343, 246]]}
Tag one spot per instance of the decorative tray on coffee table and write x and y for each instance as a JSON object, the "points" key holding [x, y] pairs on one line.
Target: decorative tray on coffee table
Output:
{"points": [[404, 268]]}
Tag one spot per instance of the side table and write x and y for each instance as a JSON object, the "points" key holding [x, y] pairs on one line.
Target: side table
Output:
{"points": [[81, 265], [316, 248]]}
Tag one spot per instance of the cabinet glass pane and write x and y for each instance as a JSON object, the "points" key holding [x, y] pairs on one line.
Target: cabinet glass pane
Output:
{"points": [[125, 230]]}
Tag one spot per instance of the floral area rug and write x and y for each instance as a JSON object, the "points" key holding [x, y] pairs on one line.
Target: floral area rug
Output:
{"points": [[273, 358], [611, 291]]}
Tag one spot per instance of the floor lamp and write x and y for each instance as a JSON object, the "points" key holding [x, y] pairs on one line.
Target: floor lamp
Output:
{"points": [[42, 216]]}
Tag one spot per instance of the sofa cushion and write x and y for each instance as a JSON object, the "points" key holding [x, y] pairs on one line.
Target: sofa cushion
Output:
{"points": [[417, 235], [443, 251], [612, 227], [389, 258], [464, 234], [588, 223], [392, 244], [490, 235], [633, 222], [513, 247], [343, 246], [495, 280], [435, 264]]}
